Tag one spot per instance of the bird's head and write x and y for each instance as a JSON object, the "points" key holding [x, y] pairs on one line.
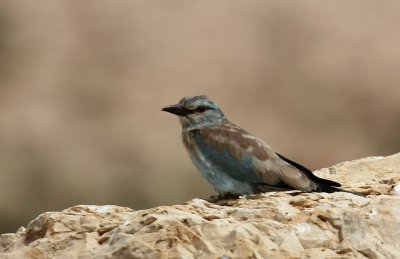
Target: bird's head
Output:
{"points": [[196, 112]]}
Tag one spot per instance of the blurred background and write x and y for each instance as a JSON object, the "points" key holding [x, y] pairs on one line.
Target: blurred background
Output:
{"points": [[82, 84]]}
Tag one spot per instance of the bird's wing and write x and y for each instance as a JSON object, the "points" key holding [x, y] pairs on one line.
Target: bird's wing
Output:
{"points": [[246, 158], [309, 173]]}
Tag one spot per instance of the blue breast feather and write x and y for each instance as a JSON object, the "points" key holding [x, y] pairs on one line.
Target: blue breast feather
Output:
{"points": [[222, 162]]}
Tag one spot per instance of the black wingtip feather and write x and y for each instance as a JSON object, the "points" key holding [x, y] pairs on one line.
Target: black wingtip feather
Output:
{"points": [[310, 174]]}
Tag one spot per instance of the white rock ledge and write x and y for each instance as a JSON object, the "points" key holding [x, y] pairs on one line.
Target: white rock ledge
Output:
{"points": [[273, 225]]}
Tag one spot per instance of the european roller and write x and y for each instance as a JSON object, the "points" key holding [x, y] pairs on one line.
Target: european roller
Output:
{"points": [[235, 161]]}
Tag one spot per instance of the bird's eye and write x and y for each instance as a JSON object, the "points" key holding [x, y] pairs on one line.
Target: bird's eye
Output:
{"points": [[201, 108]]}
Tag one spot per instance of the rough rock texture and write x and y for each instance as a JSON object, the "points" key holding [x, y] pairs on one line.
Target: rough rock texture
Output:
{"points": [[272, 225]]}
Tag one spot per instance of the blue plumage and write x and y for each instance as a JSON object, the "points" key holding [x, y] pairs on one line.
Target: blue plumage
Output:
{"points": [[233, 160], [221, 169]]}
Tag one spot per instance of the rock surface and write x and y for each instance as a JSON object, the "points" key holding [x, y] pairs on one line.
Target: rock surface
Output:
{"points": [[278, 225]]}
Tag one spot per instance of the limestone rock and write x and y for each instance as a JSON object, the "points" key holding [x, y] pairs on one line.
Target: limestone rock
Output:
{"points": [[272, 225]]}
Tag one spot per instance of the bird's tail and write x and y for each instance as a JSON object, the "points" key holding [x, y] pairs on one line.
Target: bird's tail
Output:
{"points": [[324, 185], [331, 189]]}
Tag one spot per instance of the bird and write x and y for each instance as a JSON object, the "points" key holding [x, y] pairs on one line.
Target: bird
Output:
{"points": [[234, 161]]}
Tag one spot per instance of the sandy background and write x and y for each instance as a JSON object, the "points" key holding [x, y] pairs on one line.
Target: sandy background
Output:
{"points": [[82, 84]]}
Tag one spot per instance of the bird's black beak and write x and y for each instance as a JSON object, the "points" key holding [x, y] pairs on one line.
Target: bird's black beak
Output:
{"points": [[176, 109]]}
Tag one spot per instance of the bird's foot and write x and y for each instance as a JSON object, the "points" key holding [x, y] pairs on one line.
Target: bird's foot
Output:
{"points": [[222, 196]]}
